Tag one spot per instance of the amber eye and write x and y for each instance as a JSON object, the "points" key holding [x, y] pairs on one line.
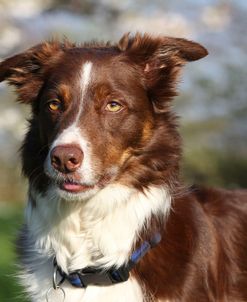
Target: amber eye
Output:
{"points": [[113, 106], [54, 105]]}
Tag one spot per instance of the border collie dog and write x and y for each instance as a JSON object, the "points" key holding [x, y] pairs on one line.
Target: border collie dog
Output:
{"points": [[106, 218]]}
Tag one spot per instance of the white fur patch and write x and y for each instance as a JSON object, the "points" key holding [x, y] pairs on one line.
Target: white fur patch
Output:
{"points": [[84, 83], [100, 231]]}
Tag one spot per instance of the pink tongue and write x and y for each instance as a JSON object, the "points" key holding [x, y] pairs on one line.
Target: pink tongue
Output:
{"points": [[73, 187]]}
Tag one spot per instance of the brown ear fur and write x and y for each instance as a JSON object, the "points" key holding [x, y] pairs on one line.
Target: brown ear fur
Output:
{"points": [[26, 70], [161, 59]]}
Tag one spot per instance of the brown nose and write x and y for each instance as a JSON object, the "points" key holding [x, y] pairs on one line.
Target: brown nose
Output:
{"points": [[66, 158]]}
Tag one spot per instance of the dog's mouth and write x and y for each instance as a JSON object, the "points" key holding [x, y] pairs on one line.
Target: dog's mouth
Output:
{"points": [[75, 187]]}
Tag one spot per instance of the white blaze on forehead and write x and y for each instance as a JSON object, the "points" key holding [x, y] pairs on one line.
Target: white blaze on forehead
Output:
{"points": [[85, 79]]}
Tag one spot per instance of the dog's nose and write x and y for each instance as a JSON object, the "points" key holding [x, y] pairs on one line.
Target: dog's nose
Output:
{"points": [[66, 158]]}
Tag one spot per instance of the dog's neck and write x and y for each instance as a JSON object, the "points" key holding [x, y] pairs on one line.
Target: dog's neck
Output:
{"points": [[100, 231]]}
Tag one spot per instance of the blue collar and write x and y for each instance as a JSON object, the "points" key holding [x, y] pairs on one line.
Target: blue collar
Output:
{"points": [[100, 276]]}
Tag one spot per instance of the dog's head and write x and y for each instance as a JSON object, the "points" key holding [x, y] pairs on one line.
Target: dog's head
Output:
{"points": [[100, 113]]}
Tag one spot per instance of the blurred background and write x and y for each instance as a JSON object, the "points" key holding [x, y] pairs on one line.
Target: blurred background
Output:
{"points": [[212, 102]]}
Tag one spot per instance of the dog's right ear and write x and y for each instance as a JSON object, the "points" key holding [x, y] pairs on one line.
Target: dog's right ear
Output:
{"points": [[26, 71]]}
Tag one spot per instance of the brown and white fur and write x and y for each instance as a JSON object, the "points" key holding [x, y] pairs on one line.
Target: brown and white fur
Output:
{"points": [[102, 158]]}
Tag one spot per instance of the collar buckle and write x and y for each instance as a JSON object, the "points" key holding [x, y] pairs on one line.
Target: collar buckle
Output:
{"points": [[97, 276]]}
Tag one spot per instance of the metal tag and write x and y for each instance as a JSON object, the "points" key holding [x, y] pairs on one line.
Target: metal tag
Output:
{"points": [[55, 294]]}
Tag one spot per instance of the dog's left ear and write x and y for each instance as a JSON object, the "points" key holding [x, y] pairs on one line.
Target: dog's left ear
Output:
{"points": [[26, 71], [161, 59]]}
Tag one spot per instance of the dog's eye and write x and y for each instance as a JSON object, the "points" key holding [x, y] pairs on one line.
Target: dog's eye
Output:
{"points": [[113, 106], [54, 105]]}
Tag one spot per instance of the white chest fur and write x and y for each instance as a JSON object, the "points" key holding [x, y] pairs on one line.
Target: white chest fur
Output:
{"points": [[100, 231]]}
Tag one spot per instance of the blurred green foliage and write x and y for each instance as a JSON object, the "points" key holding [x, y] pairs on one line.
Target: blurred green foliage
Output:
{"points": [[10, 220], [215, 168], [215, 144]]}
